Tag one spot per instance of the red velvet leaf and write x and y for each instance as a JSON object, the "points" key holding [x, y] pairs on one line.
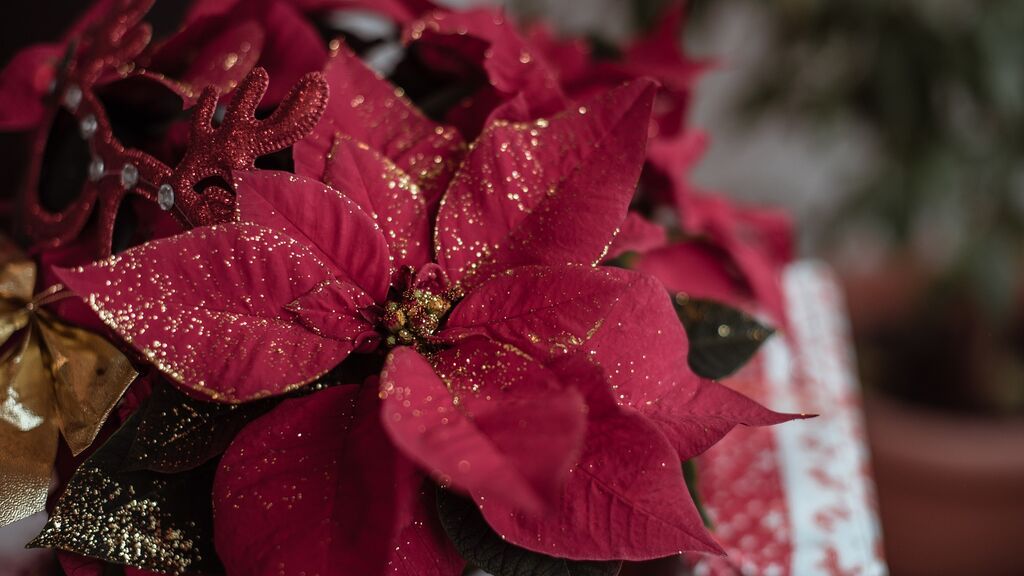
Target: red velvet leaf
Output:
{"points": [[198, 57], [485, 37], [208, 308], [624, 322], [546, 311], [707, 416], [292, 45], [399, 10], [422, 546], [314, 487], [643, 348], [749, 245], [549, 192], [369, 109], [569, 56], [464, 44], [674, 158], [758, 243], [338, 310], [699, 270], [324, 220], [626, 498], [489, 420], [637, 234], [659, 55], [24, 82], [389, 195]]}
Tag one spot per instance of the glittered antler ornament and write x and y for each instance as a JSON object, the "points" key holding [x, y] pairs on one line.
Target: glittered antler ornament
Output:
{"points": [[235, 144], [109, 46], [108, 51], [55, 379]]}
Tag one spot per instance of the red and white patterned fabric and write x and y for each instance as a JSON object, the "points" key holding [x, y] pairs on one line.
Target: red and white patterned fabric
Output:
{"points": [[798, 498]]}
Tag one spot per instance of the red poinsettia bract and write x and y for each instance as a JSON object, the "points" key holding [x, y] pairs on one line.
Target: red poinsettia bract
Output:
{"points": [[553, 391], [740, 250]]}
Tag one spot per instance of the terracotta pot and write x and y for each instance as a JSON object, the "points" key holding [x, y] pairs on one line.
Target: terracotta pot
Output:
{"points": [[950, 490]]}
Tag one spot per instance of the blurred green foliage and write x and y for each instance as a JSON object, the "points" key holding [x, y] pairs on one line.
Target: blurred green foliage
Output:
{"points": [[939, 86]]}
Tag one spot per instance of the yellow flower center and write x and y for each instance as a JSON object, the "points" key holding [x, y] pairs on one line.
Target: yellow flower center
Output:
{"points": [[416, 316]]}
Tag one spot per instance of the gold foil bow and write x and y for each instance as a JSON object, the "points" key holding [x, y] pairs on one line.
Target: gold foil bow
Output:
{"points": [[54, 379]]}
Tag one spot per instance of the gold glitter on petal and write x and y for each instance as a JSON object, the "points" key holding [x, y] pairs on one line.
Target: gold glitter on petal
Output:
{"points": [[217, 322], [549, 191], [133, 533], [177, 433]]}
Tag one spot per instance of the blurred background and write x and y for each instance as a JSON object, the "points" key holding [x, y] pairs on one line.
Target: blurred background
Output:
{"points": [[893, 131]]}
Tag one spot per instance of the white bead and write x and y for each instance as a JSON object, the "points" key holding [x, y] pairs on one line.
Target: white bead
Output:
{"points": [[96, 168], [129, 176], [165, 196], [88, 126], [72, 97]]}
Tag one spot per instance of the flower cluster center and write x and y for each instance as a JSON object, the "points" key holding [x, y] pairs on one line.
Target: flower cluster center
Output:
{"points": [[416, 316]]}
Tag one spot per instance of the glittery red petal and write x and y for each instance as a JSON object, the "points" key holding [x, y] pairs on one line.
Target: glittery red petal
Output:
{"points": [[553, 191], [208, 308], [322, 490], [390, 196], [485, 418], [328, 223], [625, 498], [368, 109]]}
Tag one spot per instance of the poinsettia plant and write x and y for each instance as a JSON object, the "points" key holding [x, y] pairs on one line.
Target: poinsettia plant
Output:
{"points": [[392, 324]]}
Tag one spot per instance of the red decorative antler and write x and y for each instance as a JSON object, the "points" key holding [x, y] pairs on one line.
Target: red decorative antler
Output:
{"points": [[111, 42], [214, 151]]}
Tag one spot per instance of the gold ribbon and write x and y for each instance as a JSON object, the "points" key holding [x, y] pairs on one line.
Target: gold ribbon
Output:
{"points": [[55, 380]]}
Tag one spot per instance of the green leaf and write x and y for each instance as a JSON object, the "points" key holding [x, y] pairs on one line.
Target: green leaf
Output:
{"points": [[722, 339], [690, 474], [481, 546], [178, 433], [153, 521]]}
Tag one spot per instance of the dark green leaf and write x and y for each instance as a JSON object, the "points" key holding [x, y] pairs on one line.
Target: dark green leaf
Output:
{"points": [[178, 433], [722, 339], [690, 474], [481, 546], [160, 522]]}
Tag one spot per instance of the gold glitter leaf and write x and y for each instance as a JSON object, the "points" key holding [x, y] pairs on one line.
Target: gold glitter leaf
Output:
{"points": [[178, 433], [143, 519]]}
